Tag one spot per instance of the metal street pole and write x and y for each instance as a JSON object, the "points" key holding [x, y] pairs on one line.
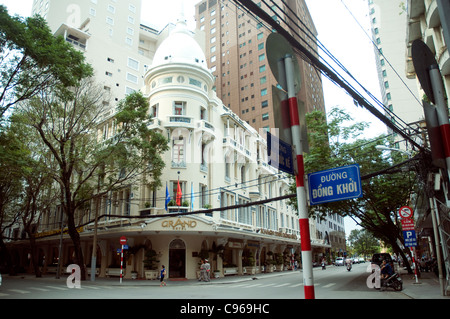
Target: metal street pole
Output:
{"points": [[308, 280], [442, 110], [94, 244], [60, 253], [437, 240]]}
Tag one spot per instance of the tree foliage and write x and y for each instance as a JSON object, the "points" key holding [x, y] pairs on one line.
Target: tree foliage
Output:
{"points": [[32, 59], [338, 143], [363, 242]]}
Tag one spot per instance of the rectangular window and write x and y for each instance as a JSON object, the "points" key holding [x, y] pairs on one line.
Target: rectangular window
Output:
{"points": [[179, 108], [134, 64], [132, 78], [178, 147], [129, 90]]}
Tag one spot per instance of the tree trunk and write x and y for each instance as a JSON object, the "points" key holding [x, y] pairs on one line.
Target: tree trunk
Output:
{"points": [[75, 236], [34, 254], [7, 257]]}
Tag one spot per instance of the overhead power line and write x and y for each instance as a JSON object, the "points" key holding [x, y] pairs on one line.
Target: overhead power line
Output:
{"points": [[326, 71]]}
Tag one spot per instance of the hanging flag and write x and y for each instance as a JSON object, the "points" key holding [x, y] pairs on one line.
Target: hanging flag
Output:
{"points": [[192, 197], [167, 196], [179, 194]]}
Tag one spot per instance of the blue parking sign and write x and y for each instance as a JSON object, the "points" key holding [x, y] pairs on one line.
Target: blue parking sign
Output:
{"points": [[410, 238]]}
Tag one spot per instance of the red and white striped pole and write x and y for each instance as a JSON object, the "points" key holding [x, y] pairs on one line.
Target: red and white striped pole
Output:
{"points": [[308, 280], [441, 111]]}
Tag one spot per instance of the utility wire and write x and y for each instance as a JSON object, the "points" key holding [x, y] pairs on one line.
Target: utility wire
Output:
{"points": [[325, 70], [311, 35]]}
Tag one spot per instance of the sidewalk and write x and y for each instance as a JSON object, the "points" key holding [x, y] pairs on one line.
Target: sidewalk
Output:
{"points": [[428, 286]]}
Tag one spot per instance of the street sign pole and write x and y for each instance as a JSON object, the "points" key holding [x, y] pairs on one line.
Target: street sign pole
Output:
{"points": [[441, 110], [308, 279], [123, 241], [409, 234]]}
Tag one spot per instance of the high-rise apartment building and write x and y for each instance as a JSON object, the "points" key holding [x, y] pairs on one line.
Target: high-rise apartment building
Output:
{"points": [[110, 35], [399, 93], [235, 49]]}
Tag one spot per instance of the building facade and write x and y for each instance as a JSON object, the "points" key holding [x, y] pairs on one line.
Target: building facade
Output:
{"points": [[235, 49], [398, 91], [91, 26]]}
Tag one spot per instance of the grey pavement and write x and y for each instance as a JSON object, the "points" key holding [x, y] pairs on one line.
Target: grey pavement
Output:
{"points": [[426, 287]]}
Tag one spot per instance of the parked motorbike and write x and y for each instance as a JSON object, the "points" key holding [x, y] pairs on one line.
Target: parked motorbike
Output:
{"points": [[393, 281]]}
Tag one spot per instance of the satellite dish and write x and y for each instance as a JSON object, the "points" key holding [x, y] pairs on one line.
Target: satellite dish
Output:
{"points": [[277, 48], [423, 59]]}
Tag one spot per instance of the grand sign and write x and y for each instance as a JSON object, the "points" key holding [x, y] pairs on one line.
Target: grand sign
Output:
{"points": [[179, 224]]}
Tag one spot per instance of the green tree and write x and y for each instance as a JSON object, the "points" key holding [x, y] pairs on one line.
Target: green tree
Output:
{"points": [[88, 168], [339, 143], [13, 165], [32, 59], [363, 242]]}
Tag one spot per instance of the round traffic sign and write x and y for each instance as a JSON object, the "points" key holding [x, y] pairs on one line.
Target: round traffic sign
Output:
{"points": [[123, 240], [405, 212], [277, 47]]}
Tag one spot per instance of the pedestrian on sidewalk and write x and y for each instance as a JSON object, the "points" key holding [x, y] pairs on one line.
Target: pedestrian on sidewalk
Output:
{"points": [[163, 274], [207, 267], [202, 276]]}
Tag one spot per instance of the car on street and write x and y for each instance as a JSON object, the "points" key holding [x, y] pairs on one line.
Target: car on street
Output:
{"points": [[0, 279], [339, 261]]}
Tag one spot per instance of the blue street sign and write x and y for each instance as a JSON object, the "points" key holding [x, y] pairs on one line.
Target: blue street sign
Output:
{"points": [[279, 154], [334, 184], [410, 238]]}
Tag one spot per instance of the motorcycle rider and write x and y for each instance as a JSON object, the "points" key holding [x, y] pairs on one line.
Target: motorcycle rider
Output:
{"points": [[348, 261], [386, 270]]}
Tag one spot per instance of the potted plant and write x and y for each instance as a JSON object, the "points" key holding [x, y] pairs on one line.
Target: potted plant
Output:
{"points": [[230, 269], [150, 264], [270, 262], [249, 264], [279, 262]]}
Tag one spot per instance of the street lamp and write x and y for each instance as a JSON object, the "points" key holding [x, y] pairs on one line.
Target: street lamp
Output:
{"points": [[385, 148]]}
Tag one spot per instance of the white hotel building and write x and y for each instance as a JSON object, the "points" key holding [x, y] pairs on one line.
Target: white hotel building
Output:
{"points": [[217, 159]]}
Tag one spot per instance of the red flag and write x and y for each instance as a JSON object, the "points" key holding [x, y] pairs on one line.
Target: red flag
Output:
{"points": [[178, 197]]}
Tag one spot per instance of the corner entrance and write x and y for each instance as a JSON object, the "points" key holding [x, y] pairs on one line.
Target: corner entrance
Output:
{"points": [[177, 259]]}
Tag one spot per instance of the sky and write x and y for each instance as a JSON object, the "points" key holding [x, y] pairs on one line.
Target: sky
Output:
{"points": [[337, 31]]}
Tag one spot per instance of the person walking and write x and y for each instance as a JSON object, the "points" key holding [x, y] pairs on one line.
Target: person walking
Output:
{"points": [[162, 275], [202, 276], [207, 267]]}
